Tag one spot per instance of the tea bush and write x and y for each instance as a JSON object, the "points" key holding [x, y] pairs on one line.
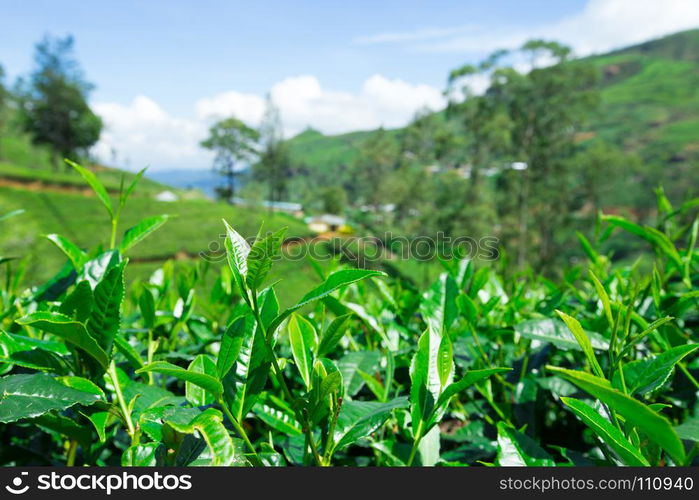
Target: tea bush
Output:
{"points": [[483, 367]]}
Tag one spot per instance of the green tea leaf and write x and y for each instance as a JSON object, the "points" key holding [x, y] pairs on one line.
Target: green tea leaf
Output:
{"points": [[79, 303], [555, 332], [655, 426], [237, 251], [127, 192], [445, 362], [146, 304], [95, 184], [517, 449], [425, 382], [303, 340], [28, 396], [262, 253], [195, 394], [127, 350], [612, 436], [583, 341], [105, 317], [65, 427], [602, 293], [650, 234], [333, 334], [202, 380], [143, 455], [336, 280], [438, 305], [689, 429], [359, 419], [352, 363], [69, 330], [142, 230], [646, 375], [32, 353], [71, 250], [247, 378], [471, 377], [278, 420], [209, 424], [232, 342]]}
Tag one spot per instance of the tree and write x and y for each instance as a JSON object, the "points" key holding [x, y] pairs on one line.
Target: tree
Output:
{"points": [[542, 111], [333, 198], [485, 142], [274, 165], [376, 159], [234, 145], [4, 98], [53, 105], [602, 170]]}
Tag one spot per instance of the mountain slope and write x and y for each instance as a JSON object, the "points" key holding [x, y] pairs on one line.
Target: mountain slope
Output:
{"points": [[61, 202], [650, 106]]}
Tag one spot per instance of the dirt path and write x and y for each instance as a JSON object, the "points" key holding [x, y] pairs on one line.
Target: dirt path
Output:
{"points": [[38, 185]]}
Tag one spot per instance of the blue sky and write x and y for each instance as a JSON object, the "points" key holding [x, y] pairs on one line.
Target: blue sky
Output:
{"points": [[182, 50], [165, 69]]}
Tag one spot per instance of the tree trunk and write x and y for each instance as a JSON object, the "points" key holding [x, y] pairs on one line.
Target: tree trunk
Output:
{"points": [[523, 219], [231, 186]]}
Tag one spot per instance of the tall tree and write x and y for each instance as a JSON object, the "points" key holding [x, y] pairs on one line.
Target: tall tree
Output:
{"points": [[602, 170], [485, 141], [4, 99], [376, 159], [274, 165], [543, 110], [235, 147], [53, 103]]}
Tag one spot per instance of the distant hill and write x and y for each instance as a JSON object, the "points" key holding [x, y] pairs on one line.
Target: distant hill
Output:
{"points": [[59, 201], [206, 180], [650, 106]]}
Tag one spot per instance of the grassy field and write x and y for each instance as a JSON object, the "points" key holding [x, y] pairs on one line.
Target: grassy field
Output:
{"points": [[59, 201], [195, 227]]}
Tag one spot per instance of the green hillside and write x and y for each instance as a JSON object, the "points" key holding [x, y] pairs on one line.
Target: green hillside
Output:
{"points": [[61, 202], [650, 106], [321, 156]]}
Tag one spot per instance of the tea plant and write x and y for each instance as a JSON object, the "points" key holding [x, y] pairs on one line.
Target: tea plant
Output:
{"points": [[483, 367]]}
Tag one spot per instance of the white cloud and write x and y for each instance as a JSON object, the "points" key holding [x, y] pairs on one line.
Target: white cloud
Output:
{"points": [[147, 135], [246, 107], [143, 134], [601, 25], [303, 102]]}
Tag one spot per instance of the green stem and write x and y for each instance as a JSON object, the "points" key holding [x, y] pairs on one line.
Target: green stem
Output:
{"points": [[149, 355], [329, 441], [494, 406], [280, 378], [122, 402], [691, 378], [416, 443], [72, 451], [112, 240], [480, 348], [692, 453], [314, 448], [241, 432]]}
